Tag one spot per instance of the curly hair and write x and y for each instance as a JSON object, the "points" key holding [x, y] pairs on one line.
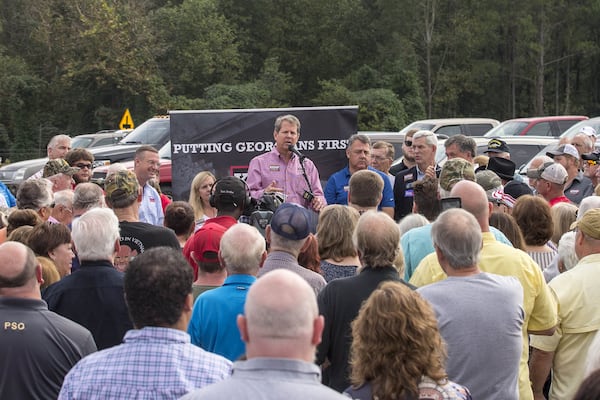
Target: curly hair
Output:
{"points": [[395, 342], [334, 232], [534, 217]]}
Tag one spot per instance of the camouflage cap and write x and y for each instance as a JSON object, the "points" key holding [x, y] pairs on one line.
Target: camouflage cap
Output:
{"points": [[456, 170], [488, 180], [58, 166], [121, 185]]}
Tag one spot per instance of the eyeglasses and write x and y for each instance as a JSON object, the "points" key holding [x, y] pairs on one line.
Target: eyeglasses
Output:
{"points": [[591, 163], [408, 143], [84, 166]]}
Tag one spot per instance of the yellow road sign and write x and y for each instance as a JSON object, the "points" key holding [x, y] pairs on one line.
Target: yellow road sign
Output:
{"points": [[126, 121]]}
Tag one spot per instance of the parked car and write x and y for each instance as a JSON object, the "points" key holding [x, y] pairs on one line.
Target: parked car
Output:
{"points": [[522, 149], [98, 139], [155, 132], [575, 129], [454, 126], [536, 126]]}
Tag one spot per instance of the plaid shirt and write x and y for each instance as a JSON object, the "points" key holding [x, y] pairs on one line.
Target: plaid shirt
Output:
{"points": [[152, 363]]}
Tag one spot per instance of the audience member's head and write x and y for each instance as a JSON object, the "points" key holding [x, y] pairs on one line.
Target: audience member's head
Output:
{"points": [[426, 200], [506, 224], [50, 274], [474, 200], [377, 239], [96, 235], [365, 189], [63, 206], [200, 192], [179, 216], [383, 154], [122, 189], [53, 241], [453, 171], [457, 239], [22, 217], [242, 250], [82, 159], [281, 318], [20, 234], [60, 173], [289, 228], [20, 272], [36, 195], [334, 232], [587, 204], [460, 146], [563, 216], [165, 274], [395, 342], [411, 221], [87, 196], [567, 258], [309, 256], [534, 217]]}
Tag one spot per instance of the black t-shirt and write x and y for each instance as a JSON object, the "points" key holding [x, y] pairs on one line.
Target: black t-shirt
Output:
{"points": [[37, 349], [137, 237]]}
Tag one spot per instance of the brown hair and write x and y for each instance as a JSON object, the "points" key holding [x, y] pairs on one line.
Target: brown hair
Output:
{"points": [[534, 217], [395, 341], [365, 188], [48, 236], [309, 258], [78, 154], [179, 216], [506, 224], [334, 232], [22, 217], [426, 197], [50, 274]]}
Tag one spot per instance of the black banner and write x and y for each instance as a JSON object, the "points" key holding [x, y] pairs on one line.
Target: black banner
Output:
{"points": [[224, 141]]}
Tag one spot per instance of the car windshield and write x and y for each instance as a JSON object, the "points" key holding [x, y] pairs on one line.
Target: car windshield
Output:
{"points": [[575, 129], [508, 128], [165, 151], [152, 131], [418, 125], [81, 143]]}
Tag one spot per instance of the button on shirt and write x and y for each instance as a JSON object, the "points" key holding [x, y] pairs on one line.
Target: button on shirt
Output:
{"points": [[269, 167], [152, 363]]}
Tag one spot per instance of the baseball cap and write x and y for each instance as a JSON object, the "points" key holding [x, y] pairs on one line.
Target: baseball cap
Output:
{"points": [[565, 149], [456, 170], [550, 171], [588, 130], [206, 242], [229, 190], [516, 189], [594, 156], [58, 166], [504, 168], [497, 146], [589, 224], [121, 185], [291, 221], [487, 179]]}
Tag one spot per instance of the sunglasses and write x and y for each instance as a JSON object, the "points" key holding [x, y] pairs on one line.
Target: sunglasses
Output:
{"points": [[591, 163], [84, 166], [408, 143]]}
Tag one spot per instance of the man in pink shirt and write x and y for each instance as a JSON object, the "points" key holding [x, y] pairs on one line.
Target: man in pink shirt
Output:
{"points": [[280, 170]]}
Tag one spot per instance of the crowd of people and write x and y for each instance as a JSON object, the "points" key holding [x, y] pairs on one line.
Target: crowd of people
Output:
{"points": [[412, 281]]}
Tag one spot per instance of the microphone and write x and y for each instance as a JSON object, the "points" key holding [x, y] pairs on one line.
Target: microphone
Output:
{"points": [[294, 150]]}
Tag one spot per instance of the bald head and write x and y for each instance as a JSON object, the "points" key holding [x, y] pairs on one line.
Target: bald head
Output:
{"points": [[474, 200], [280, 317], [17, 268]]}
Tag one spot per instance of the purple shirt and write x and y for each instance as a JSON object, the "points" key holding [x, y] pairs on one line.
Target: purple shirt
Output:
{"points": [[271, 166]]}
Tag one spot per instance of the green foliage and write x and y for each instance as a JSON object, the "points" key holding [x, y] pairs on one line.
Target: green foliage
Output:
{"points": [[380, 110]]}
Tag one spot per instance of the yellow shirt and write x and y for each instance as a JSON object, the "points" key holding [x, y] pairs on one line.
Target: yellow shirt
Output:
{"points": [[578, 297], [538, 303]]}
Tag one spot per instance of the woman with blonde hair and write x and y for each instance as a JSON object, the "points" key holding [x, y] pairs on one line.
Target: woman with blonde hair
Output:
{"points": [[199, 194], [397, 351], [334, 236], [563, 215]]}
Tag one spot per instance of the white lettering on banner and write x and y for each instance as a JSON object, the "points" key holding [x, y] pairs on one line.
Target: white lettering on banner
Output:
{"points": [[255, 147]]}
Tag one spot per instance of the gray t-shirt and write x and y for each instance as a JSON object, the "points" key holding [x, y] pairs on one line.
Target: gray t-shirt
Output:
{"points": [[481, 318]]}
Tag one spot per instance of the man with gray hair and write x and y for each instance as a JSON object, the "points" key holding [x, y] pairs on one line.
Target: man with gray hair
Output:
{"points": [[212, 325], [62, 212], [58, 147], [364, 190], [281, 327], [287, 235], [36, 194], [93, 295], [424, 144], [377, 240], [358, 152], [383, 154], [483, 352], [87, 196], [37, 346]]}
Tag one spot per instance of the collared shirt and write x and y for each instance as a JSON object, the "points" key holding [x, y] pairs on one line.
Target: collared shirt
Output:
{"points": [[270, 379], [336, 190], [269, 167], [152, 363], [581, 187], [559, 199], [577, 296], [498, 258], [151, 210], [213, 325], [281, 259]]}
